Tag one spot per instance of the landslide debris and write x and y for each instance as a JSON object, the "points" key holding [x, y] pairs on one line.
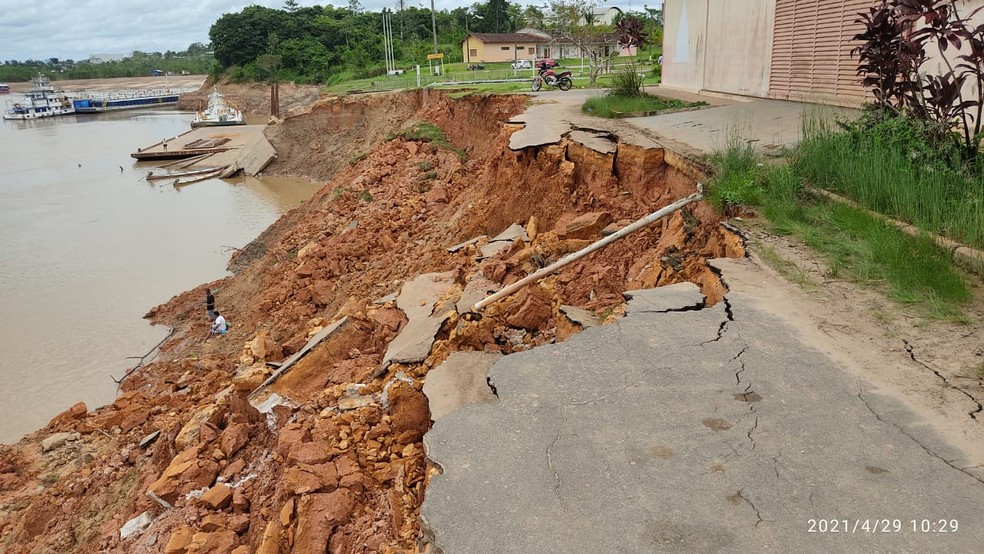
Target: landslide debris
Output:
{"points": [[333, 459]]}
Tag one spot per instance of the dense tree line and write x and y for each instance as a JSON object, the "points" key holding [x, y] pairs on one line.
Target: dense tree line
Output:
{"points": [[325, 43], [196, 60]]}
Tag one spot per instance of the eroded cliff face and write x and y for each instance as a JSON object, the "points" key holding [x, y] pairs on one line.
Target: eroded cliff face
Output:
{"points": [[337, 463]]}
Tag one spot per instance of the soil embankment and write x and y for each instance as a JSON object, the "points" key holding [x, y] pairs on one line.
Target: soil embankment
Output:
{"points": [[336, 462]]}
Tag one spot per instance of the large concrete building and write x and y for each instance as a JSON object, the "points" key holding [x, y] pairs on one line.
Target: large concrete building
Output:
{"points": [[782, 49]]}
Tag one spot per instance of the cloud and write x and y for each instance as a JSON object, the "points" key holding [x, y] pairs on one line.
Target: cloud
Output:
{"points": [[76, 29]]}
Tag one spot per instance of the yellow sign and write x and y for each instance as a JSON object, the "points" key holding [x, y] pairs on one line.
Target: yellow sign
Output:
{"points": [[435, 56]]}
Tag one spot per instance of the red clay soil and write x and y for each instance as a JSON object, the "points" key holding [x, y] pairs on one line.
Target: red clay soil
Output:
{"points": [[340, 467]]}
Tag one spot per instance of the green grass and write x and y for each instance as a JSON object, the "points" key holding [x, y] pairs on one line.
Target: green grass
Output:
{"points": [[789, 270], [738, 175], [609, 105], [428, 132], [897, 183], [856, 246]]}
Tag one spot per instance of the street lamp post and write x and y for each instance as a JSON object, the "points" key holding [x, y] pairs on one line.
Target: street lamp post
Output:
{"points": [[434, 26]]}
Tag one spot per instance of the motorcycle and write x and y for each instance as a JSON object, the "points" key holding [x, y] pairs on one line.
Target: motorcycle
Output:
{"points": [[561, 81]]}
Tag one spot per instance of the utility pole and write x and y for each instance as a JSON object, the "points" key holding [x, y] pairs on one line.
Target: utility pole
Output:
{"points": [[434, 26]]}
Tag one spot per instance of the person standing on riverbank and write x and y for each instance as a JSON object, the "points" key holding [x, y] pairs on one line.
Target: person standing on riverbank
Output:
{"points": [[210, 304]]}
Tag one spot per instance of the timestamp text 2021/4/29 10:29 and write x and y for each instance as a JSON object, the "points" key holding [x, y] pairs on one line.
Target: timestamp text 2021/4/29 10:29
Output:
{"points": [[883, 525]]}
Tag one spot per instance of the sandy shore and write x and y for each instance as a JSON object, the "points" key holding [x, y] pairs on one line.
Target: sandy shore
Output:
{"points": [[122, 83]]}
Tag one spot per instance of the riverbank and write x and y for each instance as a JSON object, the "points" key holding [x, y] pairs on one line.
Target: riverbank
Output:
{"points": [[378, 272], [386, 214]]}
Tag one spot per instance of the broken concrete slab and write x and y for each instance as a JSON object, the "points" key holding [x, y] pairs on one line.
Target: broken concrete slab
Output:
{"points": [[601, 143], [386, 299], [461, 379], [148, 439], [58, 439], [417, 299], [493, 249], [582, 317], [268, 403], [670, 298], [542, 127], [136, 525], [511, 233], [459, 246], [475, 290], [645, 433]]}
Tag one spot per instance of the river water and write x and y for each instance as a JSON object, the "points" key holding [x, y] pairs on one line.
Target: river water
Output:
{"points": [[87, 247]]}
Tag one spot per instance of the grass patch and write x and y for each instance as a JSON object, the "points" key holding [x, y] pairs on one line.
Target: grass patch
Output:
{"points": [[428, 132], [738, 175], [789, 270], [609, 105], [890, 171], [358, 158], [856, 246], [365, 196]]}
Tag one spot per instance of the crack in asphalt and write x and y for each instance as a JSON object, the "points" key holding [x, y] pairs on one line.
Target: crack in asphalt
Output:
{"points": [[737, 358], [560, 431], [758, 514], [723, 328], [912, 354], [691, 308], [775, 464], [915, 440], [752, 430], [488, 381]]}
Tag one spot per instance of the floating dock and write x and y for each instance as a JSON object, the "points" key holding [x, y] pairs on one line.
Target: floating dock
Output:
{"points": [[231, 148]]}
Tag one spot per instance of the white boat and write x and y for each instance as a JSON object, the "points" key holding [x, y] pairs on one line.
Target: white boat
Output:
{"points": [[218, 113], [41, 101]]}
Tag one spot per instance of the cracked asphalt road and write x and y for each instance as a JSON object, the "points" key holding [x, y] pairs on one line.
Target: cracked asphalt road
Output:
{"points": [[698, 430]]}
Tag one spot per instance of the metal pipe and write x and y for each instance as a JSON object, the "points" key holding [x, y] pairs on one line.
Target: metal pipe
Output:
{"points": [[574, 256]]}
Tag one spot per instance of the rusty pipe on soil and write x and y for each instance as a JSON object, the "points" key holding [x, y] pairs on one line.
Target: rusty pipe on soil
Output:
{"points": [[574, 256]]}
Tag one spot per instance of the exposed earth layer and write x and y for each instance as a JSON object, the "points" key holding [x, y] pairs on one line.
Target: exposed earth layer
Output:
{"points": [[182, 461]]}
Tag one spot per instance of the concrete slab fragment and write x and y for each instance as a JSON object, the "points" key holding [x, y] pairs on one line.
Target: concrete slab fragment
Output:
{"points": [[493, 249], [461, 379], [136, 525], [697, 433], [388, 298], [542, 128], [664, 299], [461, 245], [475, 290], [511, 233], [601, 143], [417, 299], [414, 342], [582, 317]]}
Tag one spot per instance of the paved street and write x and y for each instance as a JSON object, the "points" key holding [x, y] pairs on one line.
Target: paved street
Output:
{"points": [[681, 429]]}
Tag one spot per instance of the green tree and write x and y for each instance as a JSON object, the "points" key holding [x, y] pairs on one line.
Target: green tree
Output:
{"points": [[573, 25]]}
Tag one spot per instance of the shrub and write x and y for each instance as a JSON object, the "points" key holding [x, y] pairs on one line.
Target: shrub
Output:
{"points": [[627, 82]]}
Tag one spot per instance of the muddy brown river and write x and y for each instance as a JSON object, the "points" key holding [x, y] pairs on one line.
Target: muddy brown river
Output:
{"points": [[87, 246]]}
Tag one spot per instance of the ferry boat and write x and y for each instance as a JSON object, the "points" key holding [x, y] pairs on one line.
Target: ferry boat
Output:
{"points": [[125, 101], [41, 101], [4, 88], [217, 113]]}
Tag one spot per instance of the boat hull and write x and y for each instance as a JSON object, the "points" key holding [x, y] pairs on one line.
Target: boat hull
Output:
{"points": [[31, 113], [196, 124], [95, 105]]}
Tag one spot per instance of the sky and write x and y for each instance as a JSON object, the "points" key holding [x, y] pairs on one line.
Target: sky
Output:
{"points": [[76, 29]]}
